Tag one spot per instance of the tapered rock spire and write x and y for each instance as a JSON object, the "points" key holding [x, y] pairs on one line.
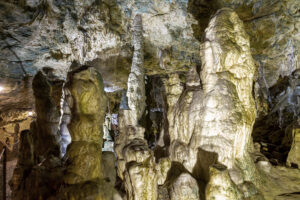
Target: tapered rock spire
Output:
{"points": [[136, 165]]}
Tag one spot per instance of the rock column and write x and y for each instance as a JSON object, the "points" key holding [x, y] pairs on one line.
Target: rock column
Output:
{"points": [[136, 165], [39, 164], [88, 103], [214, 115]]}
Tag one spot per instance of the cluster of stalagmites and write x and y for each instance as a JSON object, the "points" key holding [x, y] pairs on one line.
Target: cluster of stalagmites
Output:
{"points": [[210, 124], [202, 152], [83, 173]]}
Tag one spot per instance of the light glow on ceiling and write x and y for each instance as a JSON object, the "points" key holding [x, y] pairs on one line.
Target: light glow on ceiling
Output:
{"points": [[30, 113], [1, 88]]}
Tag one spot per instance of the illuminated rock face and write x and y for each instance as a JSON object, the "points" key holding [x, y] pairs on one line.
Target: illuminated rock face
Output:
{"points": [[88, 104], [213, 119], [136, 165], [227, 76]]}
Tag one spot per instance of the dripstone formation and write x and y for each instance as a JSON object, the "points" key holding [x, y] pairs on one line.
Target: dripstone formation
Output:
{"points": [[151, 100], [136, 165], [81, 168], [39, 164], [88, 104]]}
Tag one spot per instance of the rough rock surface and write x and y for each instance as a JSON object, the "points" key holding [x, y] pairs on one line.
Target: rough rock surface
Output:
{"points": [[189, 103], [88, 104], [136, 164], [40, 153], [185, 187]]}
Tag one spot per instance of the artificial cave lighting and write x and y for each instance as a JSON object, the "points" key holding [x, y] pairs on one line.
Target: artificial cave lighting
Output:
{"points": [[30, 113], [1, 88]]}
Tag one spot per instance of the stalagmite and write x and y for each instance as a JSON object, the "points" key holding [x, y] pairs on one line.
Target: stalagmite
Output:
{"points": [[136, 165], [47, 91], [88, 106], [227, 77], [40, 151], [213, 118], [136, 80], [185, 187]]}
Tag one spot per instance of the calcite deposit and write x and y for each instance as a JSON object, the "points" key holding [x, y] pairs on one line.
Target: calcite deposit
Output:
{"points": [[88, 104], [150, 100], [136, 164]]}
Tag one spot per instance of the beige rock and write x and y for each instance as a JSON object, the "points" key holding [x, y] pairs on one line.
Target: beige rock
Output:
{"points": [[185, 187], [136, 165], [84, 152], [220, 186], [227, 77], [294, 154]]}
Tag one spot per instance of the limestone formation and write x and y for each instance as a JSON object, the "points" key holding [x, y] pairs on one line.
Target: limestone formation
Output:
{"points": [[136, 164], [293, 158], [40, 153], [213, 118], [227, 76], [220, 185], [188, 80], [185, 187], [83, 167], [136, 80], [47, 91]]}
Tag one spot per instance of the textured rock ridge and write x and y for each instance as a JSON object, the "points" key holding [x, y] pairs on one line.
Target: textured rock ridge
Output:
{"points": [[136, 165]]}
